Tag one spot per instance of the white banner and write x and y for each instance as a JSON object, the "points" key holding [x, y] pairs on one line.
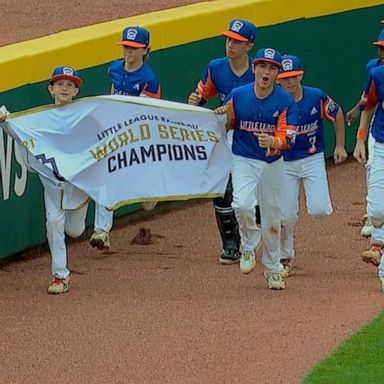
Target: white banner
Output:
{"points": [[122, 150]]}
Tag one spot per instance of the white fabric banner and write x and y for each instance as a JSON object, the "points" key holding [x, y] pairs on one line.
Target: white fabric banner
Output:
{"points": [[121, 150]]}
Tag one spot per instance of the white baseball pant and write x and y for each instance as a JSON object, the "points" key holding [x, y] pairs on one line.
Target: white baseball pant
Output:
{"points": [[59, 222], [103, 218], [311, 171], [375, 196], [257, 182], [377, 235]]}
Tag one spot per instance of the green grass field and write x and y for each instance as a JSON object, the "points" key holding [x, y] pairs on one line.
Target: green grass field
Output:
{"points": [[359, 360]]}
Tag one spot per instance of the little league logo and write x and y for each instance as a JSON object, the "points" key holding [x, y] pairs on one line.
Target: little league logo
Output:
{"points": [[67, 71], [131, 34], [269, 53], [331, 106], [237, 25], [287, 64]]}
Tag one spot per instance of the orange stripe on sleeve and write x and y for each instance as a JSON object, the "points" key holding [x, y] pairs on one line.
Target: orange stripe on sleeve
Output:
{"points": [[369, 100], [324, 109], [208, 89], [231, 116], [150, 94], [280, 138]]}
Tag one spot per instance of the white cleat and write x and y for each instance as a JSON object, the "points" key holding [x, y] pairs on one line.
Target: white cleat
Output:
{"points": [[366, 231], [148, 206], [100, 240], [274, 280], [247, 261]]}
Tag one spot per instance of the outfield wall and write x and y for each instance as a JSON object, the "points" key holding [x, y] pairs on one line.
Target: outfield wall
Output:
{"points": [[333, 40]]}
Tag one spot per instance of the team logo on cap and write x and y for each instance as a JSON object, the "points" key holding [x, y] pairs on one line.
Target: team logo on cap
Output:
{"points": [[237, 25], [269, 53], [67, 71], [287, 64], [131, 34]]}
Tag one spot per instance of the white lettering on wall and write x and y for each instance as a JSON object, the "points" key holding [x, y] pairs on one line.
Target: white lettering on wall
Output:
{"points": [[20, 180]]}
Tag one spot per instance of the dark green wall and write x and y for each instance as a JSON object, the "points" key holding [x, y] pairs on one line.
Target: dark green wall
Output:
{"points": [[333, 49]]}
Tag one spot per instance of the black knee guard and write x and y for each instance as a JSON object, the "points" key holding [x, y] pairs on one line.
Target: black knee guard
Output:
{"points": [[226, 220]]}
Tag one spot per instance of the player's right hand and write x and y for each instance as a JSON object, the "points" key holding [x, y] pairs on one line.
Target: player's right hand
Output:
{"points": [[3, 117], [351, 115], [359, 153], [194, 98]]}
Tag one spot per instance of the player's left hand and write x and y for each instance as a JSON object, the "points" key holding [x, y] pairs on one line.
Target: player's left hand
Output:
{"points": [[340, 154], [359, 152], [265, 140], [221, 110]]}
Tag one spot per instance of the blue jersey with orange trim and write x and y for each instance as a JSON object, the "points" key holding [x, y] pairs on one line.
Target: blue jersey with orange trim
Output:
{"points": [[140, 82], [313, 106], [275, 115], [218, 78], [373, 63], [374, 96]]}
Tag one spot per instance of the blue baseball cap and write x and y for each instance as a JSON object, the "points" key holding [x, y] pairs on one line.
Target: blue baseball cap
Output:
{"points": [[67, 73], [136, 37], [242, 30], [290, 66], [268, 55], [380, 39]]}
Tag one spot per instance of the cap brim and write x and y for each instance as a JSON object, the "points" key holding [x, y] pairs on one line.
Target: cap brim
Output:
{"points": [[379, 43], [257, 61], [76, 80], [234, 35], [132, 44], [289, 74]]}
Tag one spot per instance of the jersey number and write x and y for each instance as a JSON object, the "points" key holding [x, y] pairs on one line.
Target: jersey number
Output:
{"points": [[312, 141]]}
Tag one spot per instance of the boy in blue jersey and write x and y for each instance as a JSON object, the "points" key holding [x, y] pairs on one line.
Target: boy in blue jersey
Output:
{"points": [[373, 103], [264, 119], [372, 255], [219, 78], [354, 113], [130, 76], [305, 162]]}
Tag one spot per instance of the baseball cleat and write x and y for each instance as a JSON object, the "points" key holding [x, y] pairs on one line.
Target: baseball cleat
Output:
{"points": [[229, 256], [148, 206], [58, 286], [247, 261], [100, 240], [366, 230], [373, 254], [287, 265], [274, 280]]}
